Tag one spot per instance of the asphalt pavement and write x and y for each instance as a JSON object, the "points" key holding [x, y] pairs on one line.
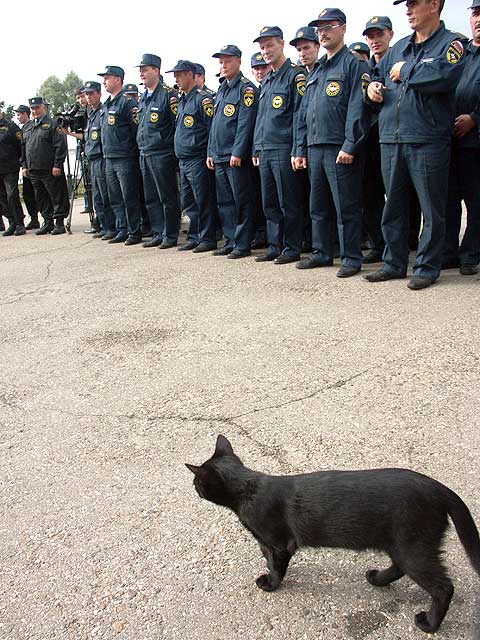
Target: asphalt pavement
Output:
{"points": [[120, 363]]}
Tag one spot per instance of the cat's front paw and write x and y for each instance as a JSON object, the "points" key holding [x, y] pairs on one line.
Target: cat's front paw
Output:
{"points": [[421, 620], [266, 582]]}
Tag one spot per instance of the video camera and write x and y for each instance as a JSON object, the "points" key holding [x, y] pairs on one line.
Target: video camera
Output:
{"points": [[75, 118]]}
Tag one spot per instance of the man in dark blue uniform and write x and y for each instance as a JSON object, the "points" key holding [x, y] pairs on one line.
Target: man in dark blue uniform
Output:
{"points": [[120, 151], [23, 116], [44, 149], [200, 79], [157, 110], [332, 131], [378, 33], [10, 153], [259, 70], [94, 152], [229, 153], [362, 49], [274, 147], [194, 119], [465, 162], [414, 87]]}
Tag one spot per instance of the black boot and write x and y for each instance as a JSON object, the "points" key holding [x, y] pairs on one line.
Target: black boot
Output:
{"points": [[20, 230], [12, 225], [33, 224], [47, 227], [59, 227]]}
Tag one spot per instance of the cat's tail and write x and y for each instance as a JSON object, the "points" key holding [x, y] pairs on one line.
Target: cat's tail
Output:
{"points": [[466, 528]]}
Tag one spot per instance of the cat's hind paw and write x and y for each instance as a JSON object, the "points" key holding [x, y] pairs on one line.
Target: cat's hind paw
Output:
{"points": [[372, 577], [421, 620], [266, 582]]}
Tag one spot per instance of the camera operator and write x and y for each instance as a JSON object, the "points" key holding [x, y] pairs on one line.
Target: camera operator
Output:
{"points": [[74, 122], [44, 149]]}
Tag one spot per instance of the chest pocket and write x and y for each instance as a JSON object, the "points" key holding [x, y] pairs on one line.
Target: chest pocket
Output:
{"points": [[335, 85], [278, 101], [230, 109], [153, 116]]}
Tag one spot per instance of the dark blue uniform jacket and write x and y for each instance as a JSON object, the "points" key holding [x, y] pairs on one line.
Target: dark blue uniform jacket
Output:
{"points": [[333, 109], [44, 145], [119, 127], [10, 146], [234, 120], [194, 119], [467, 96], [420, 108], [93, 133], [281, 94], [156, 120]]}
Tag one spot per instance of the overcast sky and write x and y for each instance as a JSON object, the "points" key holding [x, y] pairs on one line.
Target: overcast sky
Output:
{"points": [[43, 41]]}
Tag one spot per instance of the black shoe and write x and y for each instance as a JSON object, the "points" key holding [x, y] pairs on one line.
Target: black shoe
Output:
{"points": [[99, 234], [131, 240], [117, 239], [451, 264], [59, 227], [33, 224], [156, 241], [469, 269], [311, 263], [238, 254], [10, 230], [382, 276], [258, 244], [372, 257], [20, 230], [203, 247], [47, 227], [187, 247], [109, 235], [419, 282], [223, 251], [307, 247], [265, 257], [167, 245], [347, 272], [284, 259], [147, 233], [92, 230]]}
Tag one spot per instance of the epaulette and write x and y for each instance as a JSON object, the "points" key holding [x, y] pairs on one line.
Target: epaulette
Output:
{"points": [[245, 80], [460, 36], [202, 92]]}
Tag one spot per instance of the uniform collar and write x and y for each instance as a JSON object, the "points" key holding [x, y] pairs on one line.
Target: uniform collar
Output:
{"points": [[428, 42], [473, 49], [325, 60], [280, 72]]}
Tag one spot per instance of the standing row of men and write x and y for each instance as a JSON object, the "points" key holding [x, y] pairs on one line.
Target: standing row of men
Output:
{"points": [[323, 117]]}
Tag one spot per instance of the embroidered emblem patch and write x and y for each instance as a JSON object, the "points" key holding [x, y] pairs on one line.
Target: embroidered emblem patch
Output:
{"points": [[174, 105], [229, 110], [333, 89], [249, 97], [94, 135], [18, 135], [365, 82], [374, 19], [111, 120], [207, 107], [277, 102], [135, 115], [153, 116], [188, 121], [455, 52]]}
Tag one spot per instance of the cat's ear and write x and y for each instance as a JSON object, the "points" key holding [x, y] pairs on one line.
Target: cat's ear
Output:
{"points": [[223, 447], [197, 471]]}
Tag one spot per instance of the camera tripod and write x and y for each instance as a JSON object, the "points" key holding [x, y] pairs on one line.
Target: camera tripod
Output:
{"points": [[81, 174]]}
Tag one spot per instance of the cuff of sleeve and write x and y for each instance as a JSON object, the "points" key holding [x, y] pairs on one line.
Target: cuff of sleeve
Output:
{"points": [[349, 147], [475, 116]]}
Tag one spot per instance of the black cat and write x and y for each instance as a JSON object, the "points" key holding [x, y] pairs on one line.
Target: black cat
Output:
{"points": [[401, 512]]}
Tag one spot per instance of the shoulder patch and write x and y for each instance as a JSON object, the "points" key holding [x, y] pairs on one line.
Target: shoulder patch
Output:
{"points": [[366, 79], [207, 105], [455, 52], [300, 81], [174, 105], [248, 96], [135, 114], [18, 135]]}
